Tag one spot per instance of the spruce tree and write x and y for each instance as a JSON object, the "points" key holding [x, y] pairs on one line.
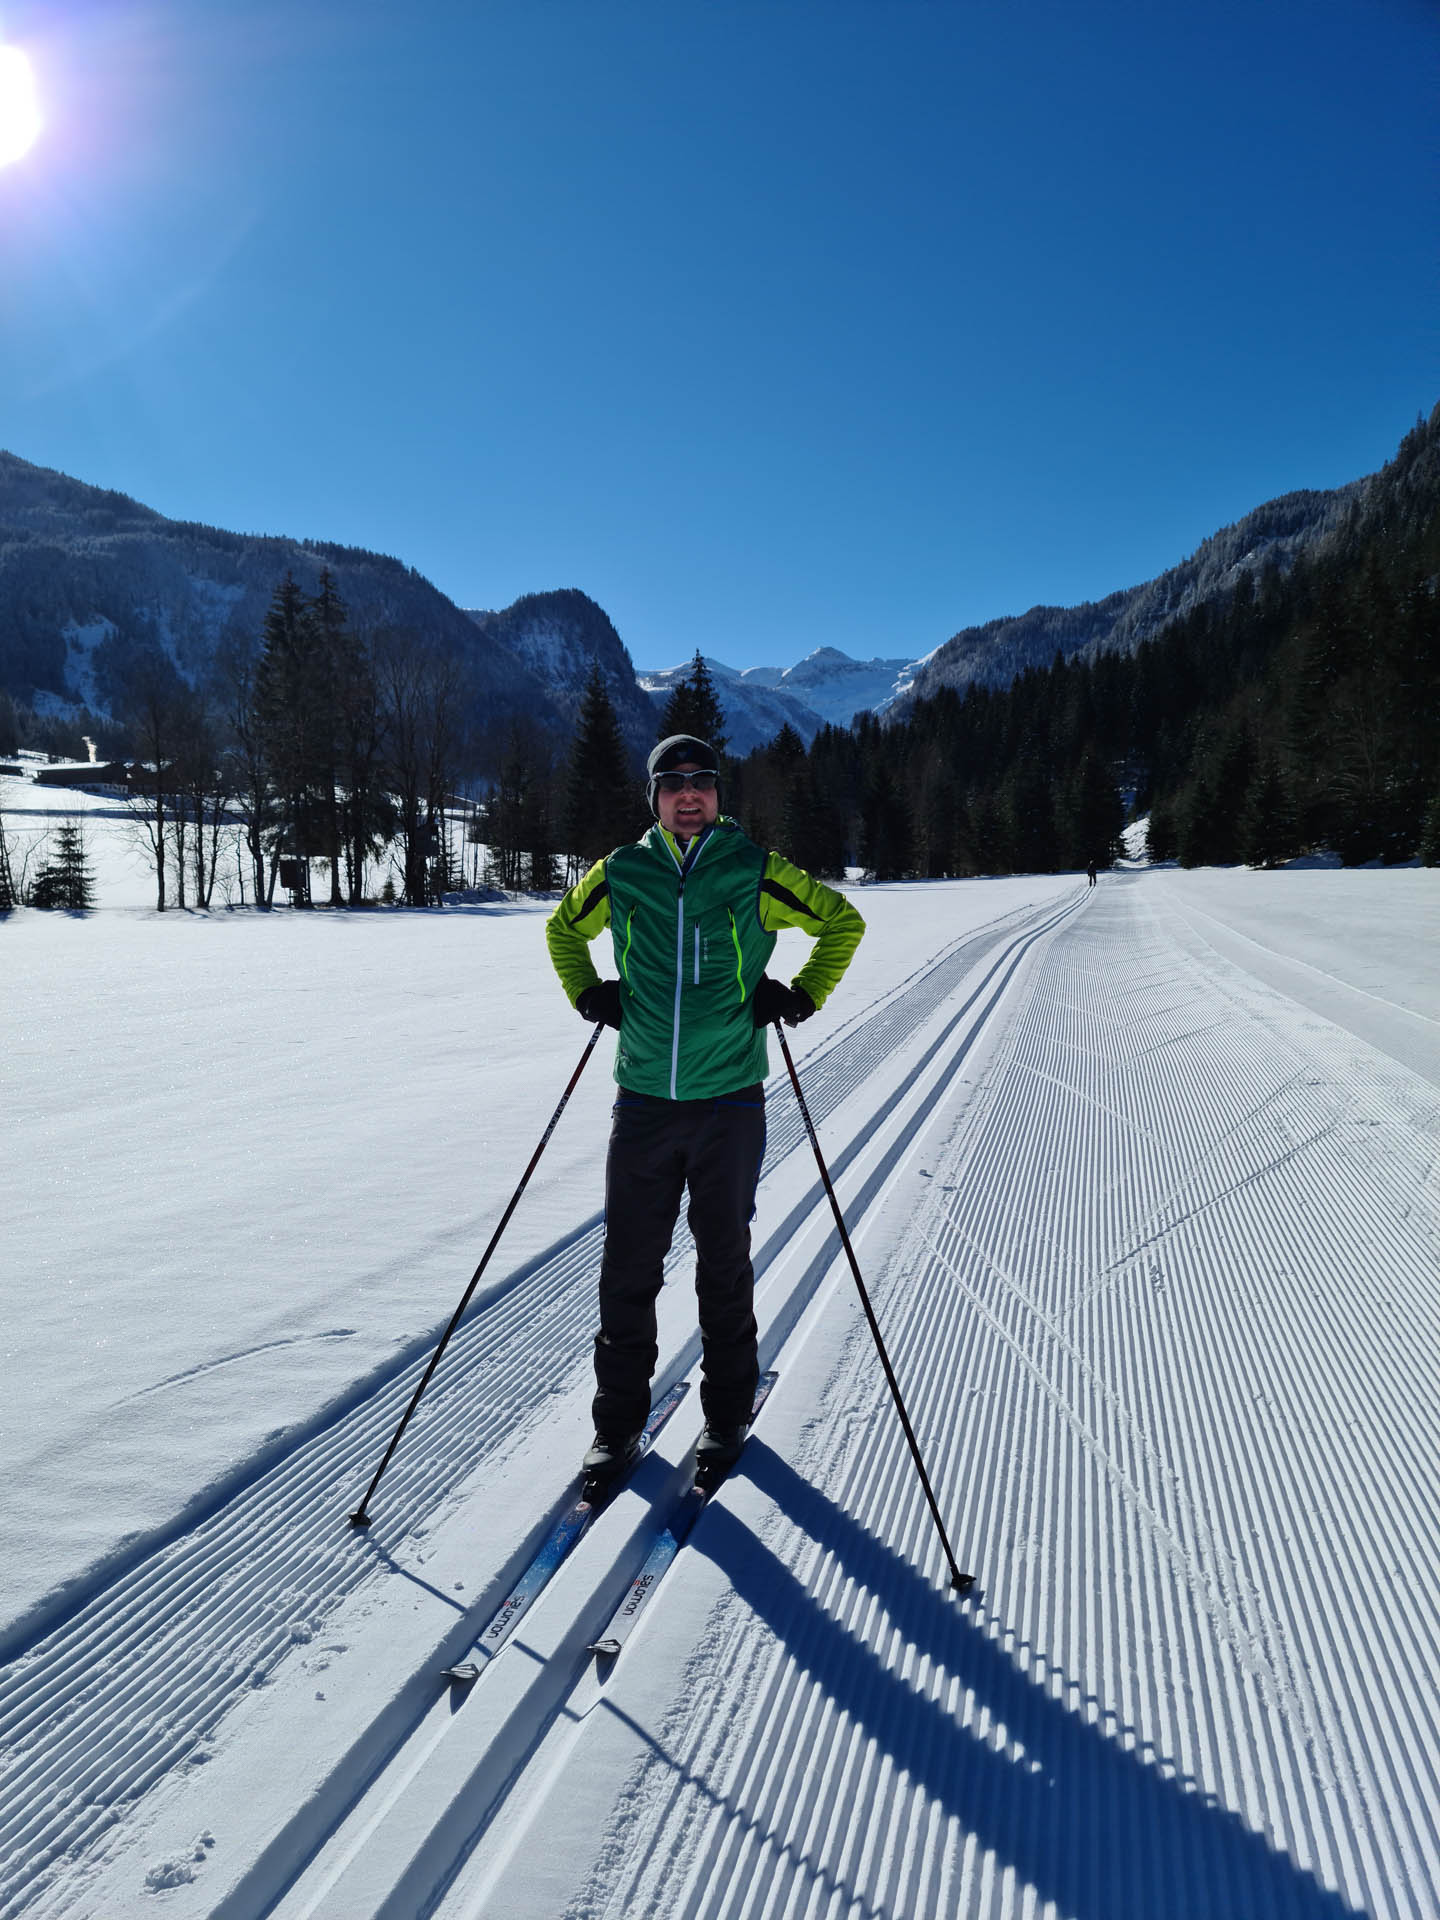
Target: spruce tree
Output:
{"points": [[602, 806], [789, 784], [1267, 833], [694, 707], [1430, 835], [886, 827], [291, 687], [335, 662], [1027, 809], [813, 830], [65, 881], [1095, 815], [1161, 840]]}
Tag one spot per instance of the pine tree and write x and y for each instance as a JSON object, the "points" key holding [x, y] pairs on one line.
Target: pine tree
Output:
{"points": [[1430, 835], [887, 829], [602, 808], [790, 785], [65, 881], [813, 830], [1161, 842], [1027, 808], [292, 693], [694, 708], [517, 818], [1095, 815], [1267, 833], [335, 664]]}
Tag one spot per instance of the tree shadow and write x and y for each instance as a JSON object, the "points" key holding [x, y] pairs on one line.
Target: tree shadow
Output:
{"points": [[1089, 1824]]}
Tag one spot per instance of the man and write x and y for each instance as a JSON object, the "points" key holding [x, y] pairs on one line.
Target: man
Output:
{"points": [[693, 910]]}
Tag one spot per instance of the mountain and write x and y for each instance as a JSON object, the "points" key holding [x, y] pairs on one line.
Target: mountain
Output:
{"points": [[827, 687], [558, 636], [836, 687], [90, 579], [1272, 536], [754, 713]]}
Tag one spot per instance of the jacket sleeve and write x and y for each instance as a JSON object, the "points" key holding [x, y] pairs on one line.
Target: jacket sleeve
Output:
{"points": [[790, 897], [580, 916]]}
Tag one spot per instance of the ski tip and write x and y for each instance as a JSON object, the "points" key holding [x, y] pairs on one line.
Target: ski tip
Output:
{"points": [[359, 1520]]}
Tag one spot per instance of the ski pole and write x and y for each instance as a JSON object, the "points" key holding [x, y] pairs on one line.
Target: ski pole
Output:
{"points": [[960, 1582], [360, 1517]]}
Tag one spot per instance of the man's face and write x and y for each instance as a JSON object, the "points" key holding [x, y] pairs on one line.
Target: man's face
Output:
{"points": [[688, 812]]}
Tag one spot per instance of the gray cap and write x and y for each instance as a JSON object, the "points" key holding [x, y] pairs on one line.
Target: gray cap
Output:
{"points": [[670, 752], [675, 750]]}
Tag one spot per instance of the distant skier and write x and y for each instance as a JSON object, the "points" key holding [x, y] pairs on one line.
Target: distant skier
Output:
{"points": [[693, 909], [1090, 873]]}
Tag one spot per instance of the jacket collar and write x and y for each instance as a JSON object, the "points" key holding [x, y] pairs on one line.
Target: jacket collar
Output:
{"points": [[668, 847]]}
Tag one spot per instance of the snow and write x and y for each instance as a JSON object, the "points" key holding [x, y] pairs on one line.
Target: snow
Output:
{"points": [[1153, 1233], [117, 850], [80, 643], [1339, 923]]}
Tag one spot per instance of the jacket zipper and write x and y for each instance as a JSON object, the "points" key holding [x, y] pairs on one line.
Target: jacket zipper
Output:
{"points": [[679, 962], [679, 987], [697, 954]]}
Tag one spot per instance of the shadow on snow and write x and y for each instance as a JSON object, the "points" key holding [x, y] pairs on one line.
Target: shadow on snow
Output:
{"points": [[1089, 1824]]}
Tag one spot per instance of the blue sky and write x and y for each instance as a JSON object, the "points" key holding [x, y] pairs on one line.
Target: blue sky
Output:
{"points": [[770, 325]]}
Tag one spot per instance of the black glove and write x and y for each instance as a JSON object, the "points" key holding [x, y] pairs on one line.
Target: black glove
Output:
{"points": [[601, 1003], [772, 1000]]}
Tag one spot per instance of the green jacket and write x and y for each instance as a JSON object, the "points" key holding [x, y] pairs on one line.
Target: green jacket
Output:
{"points": [[693, 933]]}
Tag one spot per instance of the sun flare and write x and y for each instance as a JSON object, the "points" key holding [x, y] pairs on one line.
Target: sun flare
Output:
{"points": [[19, 110]]}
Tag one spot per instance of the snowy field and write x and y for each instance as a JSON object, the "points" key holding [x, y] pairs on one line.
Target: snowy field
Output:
{"points": [[1144, 1181]]}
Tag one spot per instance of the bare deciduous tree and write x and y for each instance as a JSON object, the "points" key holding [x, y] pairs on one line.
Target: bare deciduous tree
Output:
{"points": [[153, 699], [419, 690]]}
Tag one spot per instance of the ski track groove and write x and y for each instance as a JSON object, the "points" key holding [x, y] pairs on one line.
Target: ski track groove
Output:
{"points": [[1188, 1434], [124, 1689]]}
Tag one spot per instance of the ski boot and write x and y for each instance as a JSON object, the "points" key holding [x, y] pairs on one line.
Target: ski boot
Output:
{"points": [[607, 1460], [716, 1451]]}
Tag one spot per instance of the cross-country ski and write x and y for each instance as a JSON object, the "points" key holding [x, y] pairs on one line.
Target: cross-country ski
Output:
{"points": [[558, 1544], [668, 1542]]}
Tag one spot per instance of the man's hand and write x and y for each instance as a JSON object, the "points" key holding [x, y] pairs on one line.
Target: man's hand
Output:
{"points": [[772, 1000], [601, 1003]]}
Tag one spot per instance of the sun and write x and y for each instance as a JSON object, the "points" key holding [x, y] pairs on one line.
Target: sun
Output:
{"points": [[19, 110]]}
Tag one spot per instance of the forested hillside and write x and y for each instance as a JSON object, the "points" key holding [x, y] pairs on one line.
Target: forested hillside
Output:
{"points": [[94, 588], [1288, 700], [1303, 712], [1268, 540]]}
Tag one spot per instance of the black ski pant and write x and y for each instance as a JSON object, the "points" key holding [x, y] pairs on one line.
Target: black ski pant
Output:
{"points": [[659, 1150]]}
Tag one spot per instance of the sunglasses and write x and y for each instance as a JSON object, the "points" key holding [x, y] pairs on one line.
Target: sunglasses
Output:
{"points": [[677, 782]]}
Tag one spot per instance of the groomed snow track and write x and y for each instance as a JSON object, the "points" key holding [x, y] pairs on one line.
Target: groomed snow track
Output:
{"points": [[1162, 1283], [133, 1684], [1179, 1257]]}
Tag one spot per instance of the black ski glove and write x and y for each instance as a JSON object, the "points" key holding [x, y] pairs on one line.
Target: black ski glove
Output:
{"points": [[772, 1000], [601, 1002]]}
